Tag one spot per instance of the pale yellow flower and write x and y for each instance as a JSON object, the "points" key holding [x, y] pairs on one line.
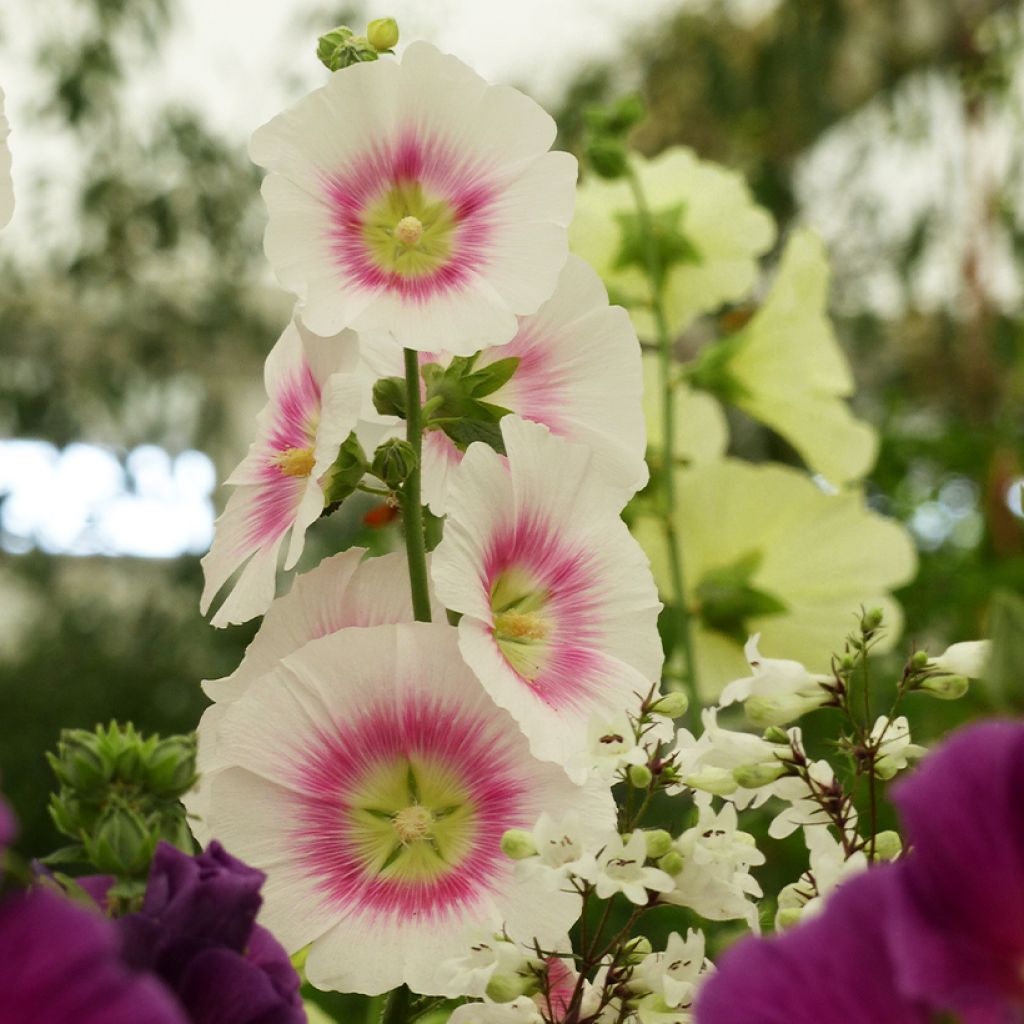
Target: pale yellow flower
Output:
{"points": [[705, 216], [766, 551]]}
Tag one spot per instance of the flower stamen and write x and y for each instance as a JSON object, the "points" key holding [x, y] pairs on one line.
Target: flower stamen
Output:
{"points": [[295, 461]]}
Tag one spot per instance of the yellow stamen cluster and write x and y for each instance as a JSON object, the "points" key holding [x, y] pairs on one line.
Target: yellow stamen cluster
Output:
{"points": [[296, 461], [409, 230], [516, 625], [412, 823]]}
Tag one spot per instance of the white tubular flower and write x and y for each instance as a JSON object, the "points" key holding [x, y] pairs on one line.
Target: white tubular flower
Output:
{"points": [[895, 750], [470, 974], [804, 809], [372, 779], [672, 975], [621, 868], [778, 692], [314, 404], [964, 659], [415, 199], [715, 881], [559, 610], [565, 847], [520, 1011], [578, 373], [6, 182], [611, 746], [829, 868]]}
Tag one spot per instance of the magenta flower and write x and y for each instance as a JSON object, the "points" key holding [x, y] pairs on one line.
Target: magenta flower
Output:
{"points": [[958, 923], [834, 969]]}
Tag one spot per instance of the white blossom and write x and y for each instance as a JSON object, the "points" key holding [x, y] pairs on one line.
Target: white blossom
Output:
{"points": [[964, 659], [895, 750], [469, 975], [672, 974], [520, 1011], [621, 868], [611, 746], [829, 867]]}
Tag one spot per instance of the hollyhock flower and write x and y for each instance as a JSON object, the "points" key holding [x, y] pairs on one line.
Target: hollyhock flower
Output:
{"points": [[60, 962], [579, 373], [6, 184], [778, 692], [313, 406], [621, 867], [373, 779], [711, 230], [197, 932], [715, 879], [957, 926], [344, 590], [416, 199], [829, 867], [834, 968], [787, 369], [766, 551], [559, 611]]}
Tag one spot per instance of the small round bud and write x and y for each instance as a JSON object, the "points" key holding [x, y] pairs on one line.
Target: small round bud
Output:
{"points": [[888, 845], [389, 396], [658, 841], [608, 158], [873, 618], [846, 662], [640, 776], [518, 844], [393, 462], [671, 705], [382, 34], [787, 917], [170, 768], [944, 687], [671, 863], [121, 843], [920, 659]]}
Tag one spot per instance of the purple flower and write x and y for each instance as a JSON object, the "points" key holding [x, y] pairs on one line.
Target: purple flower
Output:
{"points": [[59, 962], [197, 931], [833, 969], [958, 921]]}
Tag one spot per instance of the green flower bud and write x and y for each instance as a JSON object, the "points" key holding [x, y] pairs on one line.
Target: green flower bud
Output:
{"points": [[671, 705], [886, 768], [503, 988], [717, 781], [888, 845], [79, 762], [637, 948], [382, 34], [518, 844], [658, 841], [774, 734], [846, 662], [920, 659], [671, 863], [944, 687], [608, 157], [640, 776], [394, 462], [340, 48], [872, 619], [754, 776], [343, 475], [389, 396], [170, 768], [787, 917], [121, 843]]}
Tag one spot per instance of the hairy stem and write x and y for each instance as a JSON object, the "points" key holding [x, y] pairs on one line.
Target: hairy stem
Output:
{"points": [[412, 502], [396, 1009], [668, 456]]}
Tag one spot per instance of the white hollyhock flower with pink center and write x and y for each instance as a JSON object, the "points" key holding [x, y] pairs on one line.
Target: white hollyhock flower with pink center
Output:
{"points": [[6, 184], [579, 373], [416, 199], [372, 778], [342, 591], [559, 609], [313, 405]]}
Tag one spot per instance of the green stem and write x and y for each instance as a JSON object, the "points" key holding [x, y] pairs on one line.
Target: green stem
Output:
{"points": [[668, 457], [412, 503], [396, 1009]]}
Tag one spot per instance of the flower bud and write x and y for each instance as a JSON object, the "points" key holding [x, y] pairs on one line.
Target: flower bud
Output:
{"points": [[754, 776], [518, 844], [920, 659], [658, 841], [888, 845], [944, 687], [79, 762], [389, 396], [637, 948], [503, 988], [773, 734], [671, 863], [340, 48], [607, 156], [640, 776], [872, 619], [671, 705], [382, 34], [787, 917], [846, 662], [121, 844], [717, 781], [343, 475], [170, 768], [393, 462], [886, 768]]}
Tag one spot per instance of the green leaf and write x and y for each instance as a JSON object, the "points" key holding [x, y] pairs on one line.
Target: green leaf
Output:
{"points": [[465, 431], [728, 600], [490, 378]]}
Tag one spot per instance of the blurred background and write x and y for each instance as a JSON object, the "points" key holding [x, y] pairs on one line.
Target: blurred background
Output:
{"points": [[136, 306]]}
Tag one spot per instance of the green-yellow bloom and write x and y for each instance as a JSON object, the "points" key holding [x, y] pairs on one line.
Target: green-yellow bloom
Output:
{"points": [[709, 233], [766, 551]]}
